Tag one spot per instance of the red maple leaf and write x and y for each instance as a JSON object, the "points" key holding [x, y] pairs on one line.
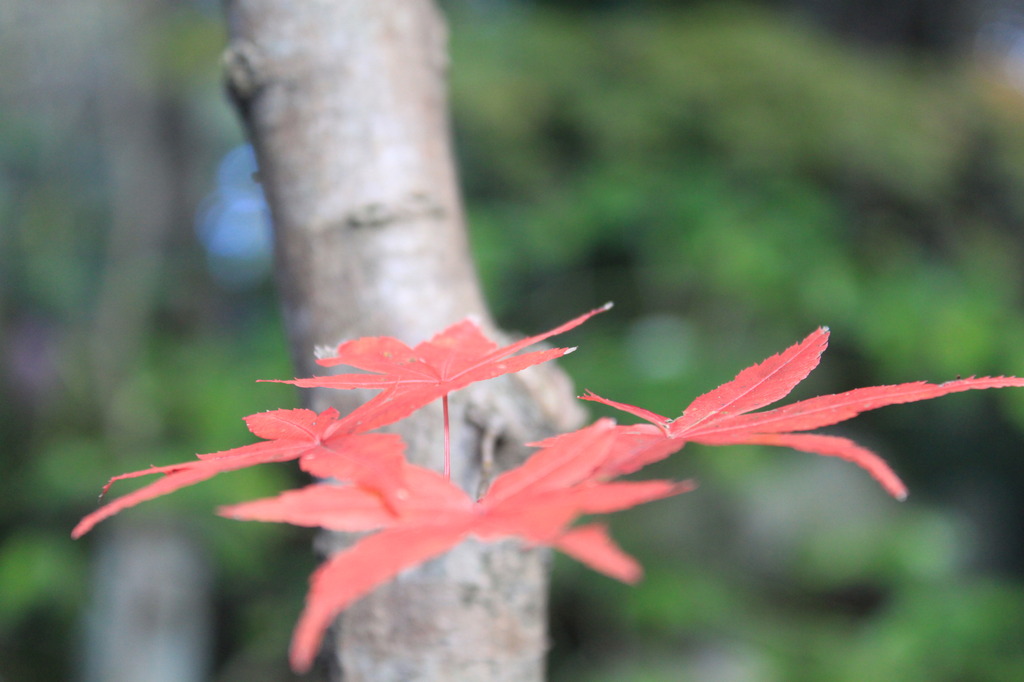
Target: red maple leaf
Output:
{"points": [[415, 514], [411, 377], [535, 502], [414, 377], [319, 441], [724, 416]]}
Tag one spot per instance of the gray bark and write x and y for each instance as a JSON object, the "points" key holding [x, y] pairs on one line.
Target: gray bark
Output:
{"points": [[345, 102]]}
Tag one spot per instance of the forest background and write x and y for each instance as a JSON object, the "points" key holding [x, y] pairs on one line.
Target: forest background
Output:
{"points": [[731, 175]]}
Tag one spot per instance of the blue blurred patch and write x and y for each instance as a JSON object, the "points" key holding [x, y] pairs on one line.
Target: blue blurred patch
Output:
{"points": [[234, 224]]}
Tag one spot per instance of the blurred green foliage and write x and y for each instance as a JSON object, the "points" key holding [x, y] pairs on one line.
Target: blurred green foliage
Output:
{"points": [[731, 178]]}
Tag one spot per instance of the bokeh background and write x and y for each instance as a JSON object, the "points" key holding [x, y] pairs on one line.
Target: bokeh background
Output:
{"points": [[731, 175]]}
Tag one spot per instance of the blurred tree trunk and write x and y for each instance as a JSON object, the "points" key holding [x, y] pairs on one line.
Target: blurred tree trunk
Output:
{"points": [[345, 102], [149, 615]]}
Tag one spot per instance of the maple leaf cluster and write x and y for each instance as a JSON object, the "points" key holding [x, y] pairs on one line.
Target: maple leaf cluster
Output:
{"points": [[414, 513]]}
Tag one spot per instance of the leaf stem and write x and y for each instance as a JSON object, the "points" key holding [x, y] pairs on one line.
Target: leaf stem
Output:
{"points": [[447, 441]]}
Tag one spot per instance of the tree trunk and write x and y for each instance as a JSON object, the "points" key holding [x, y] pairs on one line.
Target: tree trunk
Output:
{"points": [[149, 613], [345, 102]]}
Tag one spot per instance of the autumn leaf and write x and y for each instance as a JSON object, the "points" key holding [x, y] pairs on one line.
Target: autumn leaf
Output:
{"points": [[412, 514], [321, 442], [536, 502], [411, 378], [724, 416]]}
